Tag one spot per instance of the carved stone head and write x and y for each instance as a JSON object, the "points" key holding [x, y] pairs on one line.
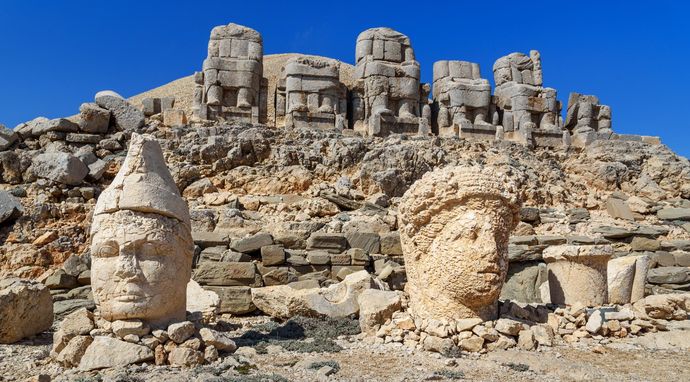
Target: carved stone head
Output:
{"points": [[455, 224], [141, 244]]}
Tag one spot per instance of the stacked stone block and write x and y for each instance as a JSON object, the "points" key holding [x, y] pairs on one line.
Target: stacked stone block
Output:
{"points": [[462, 100], [310, 94], [229, 86], [586, 119], [388, 93], [527, 110]]}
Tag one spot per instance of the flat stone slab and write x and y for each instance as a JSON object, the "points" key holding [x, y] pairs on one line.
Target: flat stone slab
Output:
{"points": [[106, 352]]}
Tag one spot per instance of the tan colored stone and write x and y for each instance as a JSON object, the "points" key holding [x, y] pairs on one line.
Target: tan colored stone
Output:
{"points": [[26, 308], [185, 357], [106, 352], [218, 340], [141, 244], [375, 307], [620, 276], [454, 227], [578, 273]]}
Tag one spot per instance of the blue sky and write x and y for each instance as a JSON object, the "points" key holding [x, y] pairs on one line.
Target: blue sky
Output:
{"points": [[57, 54]]}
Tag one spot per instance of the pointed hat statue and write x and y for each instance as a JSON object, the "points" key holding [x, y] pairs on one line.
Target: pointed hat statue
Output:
{"points": [[144, 184]]}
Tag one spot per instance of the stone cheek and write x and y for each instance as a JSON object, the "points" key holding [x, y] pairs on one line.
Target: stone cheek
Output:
{"points": [[141, 266]]}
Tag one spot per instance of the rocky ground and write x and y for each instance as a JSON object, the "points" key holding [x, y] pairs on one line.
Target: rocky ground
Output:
{"points": [[661, 356]]}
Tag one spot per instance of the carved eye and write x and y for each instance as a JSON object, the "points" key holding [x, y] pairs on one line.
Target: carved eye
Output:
{"points": [[107, 250]]}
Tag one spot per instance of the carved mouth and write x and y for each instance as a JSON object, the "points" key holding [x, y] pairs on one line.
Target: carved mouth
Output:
{"points": [[129, 298]]}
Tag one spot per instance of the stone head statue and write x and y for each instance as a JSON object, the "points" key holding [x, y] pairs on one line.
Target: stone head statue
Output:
{"points": [[141, 243], [454, 228]]}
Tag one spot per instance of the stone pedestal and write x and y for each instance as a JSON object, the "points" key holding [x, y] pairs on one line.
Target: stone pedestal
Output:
{"points": [[578, 273]]}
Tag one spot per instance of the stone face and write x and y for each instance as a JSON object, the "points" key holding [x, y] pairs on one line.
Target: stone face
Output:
{"points": [[93, 118], [60, 167], [337, 300], [460, 216], [375, 307], [229, 86], [141, 246], [577, 274], [26, 308], [126, 117], [106, 352]]}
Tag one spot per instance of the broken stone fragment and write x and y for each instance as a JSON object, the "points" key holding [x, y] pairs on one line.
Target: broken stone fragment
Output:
{"points": [[26, 309]]}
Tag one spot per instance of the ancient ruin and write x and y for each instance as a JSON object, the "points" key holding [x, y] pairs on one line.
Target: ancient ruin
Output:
{"points": [[296, 217], [229, 86], [311, 95], [463, 101], [461, 216], [141, 241], [388, 98]]}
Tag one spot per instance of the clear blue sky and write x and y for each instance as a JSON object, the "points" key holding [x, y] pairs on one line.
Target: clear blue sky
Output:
{"points": [[57, 54]]}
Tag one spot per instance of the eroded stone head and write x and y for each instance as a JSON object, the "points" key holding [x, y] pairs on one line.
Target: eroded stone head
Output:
{"points": [[455, 224], [141, 244]]}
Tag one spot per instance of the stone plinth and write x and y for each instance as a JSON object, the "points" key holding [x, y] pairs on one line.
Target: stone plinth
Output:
{"points": [[454, 227], [578, 273]]}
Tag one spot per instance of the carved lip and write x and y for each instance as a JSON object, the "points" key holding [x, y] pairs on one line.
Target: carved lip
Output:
{"points": [[129, 298]]}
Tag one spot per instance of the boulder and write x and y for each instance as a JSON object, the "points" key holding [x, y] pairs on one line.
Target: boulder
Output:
{"points": [[185, 357], [106, 352], [252, 243], [668, 275], [671, 213], [60, 167], [179, 332], [201, 300], [523, 282], [375, 307], [664, 306], [126, 117], [331, 242], [235, 300], [10, 208], [337, 300], [72, 354], [7, 137], [93, 118], [62, 125], [26, 309], [218, 340]]}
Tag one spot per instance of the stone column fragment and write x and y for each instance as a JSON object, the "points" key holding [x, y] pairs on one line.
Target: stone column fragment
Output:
{"points": [[578, 273]]}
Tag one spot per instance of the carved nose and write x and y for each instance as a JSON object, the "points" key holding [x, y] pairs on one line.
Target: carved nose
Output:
{"points": [[127, 265]]}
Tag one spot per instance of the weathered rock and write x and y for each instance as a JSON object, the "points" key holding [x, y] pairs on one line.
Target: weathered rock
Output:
{"points": [[338, 300], [227, 274], [107, 352], [668, 275], [368, 241], [272, 255], [125, 116], [7, 137], [235, 300], [185, 357], [375, 307], [331, 242], [508, 326], [578, 273], [619, 209], [620, 276], [473, 344], [642, 244], [463, 216], [671, 213], [59, 167], [218, 340], [252, 243], [122, 328], [79, 322], [93, 118], [595, 322], [10, 208], [72, 354], [664, 306], [179, 332], [26, 308], [201, 300], [526, 340], [523, 282], [390, 244]]}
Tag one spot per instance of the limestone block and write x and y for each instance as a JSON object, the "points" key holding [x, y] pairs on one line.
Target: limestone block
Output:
{"points": [[227, 274], [235, 300], [460, 216], [126, 117], [620, 276], [577, 274], [375, 307], [218, 340], [93, 118], [107, 352], [142, 202], [174, 118], [337, 300], [26, 308], [60, 167]]}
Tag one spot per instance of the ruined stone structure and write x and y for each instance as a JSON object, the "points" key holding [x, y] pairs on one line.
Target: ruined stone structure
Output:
{"points": [[577, 274], [527, 111], [310, 94], [387, 97], [229, 85], [462, 100], [141, 244], [586, 119], [454, 228]]}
